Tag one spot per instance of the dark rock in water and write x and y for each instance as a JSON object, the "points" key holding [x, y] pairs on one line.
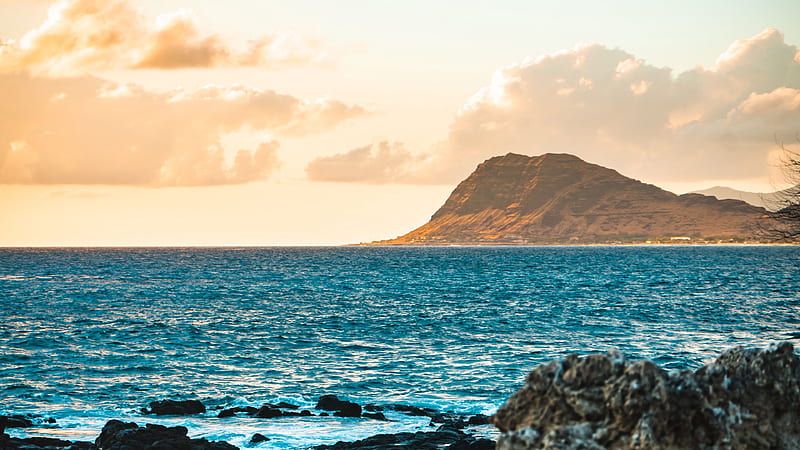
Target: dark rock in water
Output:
{"points": [[117, 435], [16, 421], [230, 412], [372, 407], [268, 412], [414, 410], [440, 439], [349, 410], [285, 405], [306, 413], [747, 398], [328, 403], [478, 444], [175, 408], [376, 416], [41, 443], [478, 419], [324, 414], [226, 413], [47, 442], [343, 408], [258, 437]]}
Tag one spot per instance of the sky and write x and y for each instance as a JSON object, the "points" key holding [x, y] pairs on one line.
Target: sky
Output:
{"points": [[199, 122]]}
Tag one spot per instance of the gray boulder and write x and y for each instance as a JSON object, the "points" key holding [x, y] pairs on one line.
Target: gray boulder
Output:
{"points": [[747, 398]]}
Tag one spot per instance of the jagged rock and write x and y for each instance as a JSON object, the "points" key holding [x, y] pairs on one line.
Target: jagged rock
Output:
{"points": [[342, 408], [117, 435], [175, 408], [747, 398]]}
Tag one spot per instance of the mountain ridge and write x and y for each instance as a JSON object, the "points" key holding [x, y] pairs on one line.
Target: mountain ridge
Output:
{"points": [[559, 198], [771, 201]]}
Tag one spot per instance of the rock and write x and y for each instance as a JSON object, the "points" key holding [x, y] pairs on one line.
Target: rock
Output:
{"points": [[268, 412], [175, 408], [47, 442], [478, 444], [16, 421], [376, 416], [343, 408], [372, 407], [349, 410], [226, 413], [445, 438], [306, 413], [414, 410], [478, 419], [230, 412], [747, 398], [285, 405], [117, 435], [258, 437]]}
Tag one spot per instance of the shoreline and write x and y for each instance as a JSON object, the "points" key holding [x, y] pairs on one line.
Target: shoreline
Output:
{"points": [[270, 426], [600, 400]]}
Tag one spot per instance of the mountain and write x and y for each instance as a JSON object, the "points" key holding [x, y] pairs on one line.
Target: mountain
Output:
{"points": [[771, 201], [559, 198]]}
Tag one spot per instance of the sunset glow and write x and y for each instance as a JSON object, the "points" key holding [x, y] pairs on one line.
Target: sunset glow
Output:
{"points": [[203, 123]]}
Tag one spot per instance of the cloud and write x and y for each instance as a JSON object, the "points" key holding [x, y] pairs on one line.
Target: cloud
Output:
{"points": [[85, 36], [383, 162], [85, 130], [612, 108]]}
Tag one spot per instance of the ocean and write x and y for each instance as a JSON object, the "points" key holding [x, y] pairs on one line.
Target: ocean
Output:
{"points": [[89, 335]]}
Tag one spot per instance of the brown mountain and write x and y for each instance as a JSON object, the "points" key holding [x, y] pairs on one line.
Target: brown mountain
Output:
{"points": [[559, 198]]}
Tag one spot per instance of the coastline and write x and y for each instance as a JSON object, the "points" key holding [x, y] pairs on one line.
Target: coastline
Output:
{"points": [[745, 398]]}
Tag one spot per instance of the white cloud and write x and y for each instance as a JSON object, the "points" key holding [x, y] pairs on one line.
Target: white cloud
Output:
{"points": [[85, 36], [89, 131], [613, 108], [383, 162]]}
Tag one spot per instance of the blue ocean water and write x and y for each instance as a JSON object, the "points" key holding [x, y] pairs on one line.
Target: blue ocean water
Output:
{"points": [[87, 335]]}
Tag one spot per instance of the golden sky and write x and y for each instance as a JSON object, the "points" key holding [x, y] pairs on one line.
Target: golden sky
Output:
{"points": [[311, 122]]}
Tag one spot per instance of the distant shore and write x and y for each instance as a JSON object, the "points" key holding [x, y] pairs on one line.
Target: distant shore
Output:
{"points": [[600, 244]]}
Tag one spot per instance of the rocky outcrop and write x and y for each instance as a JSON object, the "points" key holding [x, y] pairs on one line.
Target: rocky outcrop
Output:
{"points": [[747, 398], [117, 435], [559, 198]]}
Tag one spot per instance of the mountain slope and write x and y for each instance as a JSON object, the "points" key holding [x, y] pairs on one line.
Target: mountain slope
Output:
{"points": [[559, 198], [771, 201]]}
